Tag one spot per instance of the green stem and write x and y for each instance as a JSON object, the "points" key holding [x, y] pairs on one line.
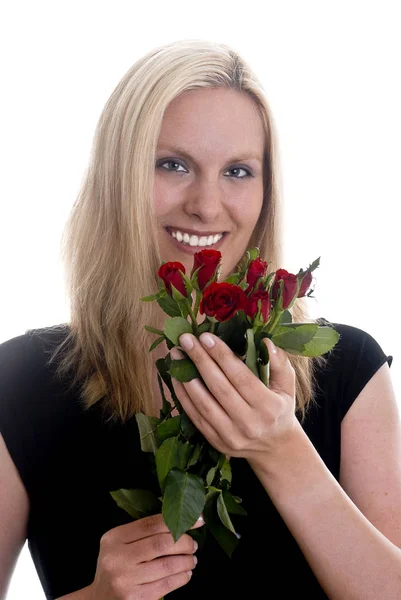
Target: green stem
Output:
{"points": [[197, 302], [274, 322], [211, 327], [193, 318]]}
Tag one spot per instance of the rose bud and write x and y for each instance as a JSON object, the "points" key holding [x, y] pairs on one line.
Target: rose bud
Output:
{"points": [[208, 260], [170, 275], [251, 308], [305, 285], [256, 269], [290, 288], [222, 300]]}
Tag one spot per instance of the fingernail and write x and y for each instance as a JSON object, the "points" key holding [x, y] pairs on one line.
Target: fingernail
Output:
{"points": [[201, 519], [186, 341], [195, 545], [195, 559], [207, 340]]}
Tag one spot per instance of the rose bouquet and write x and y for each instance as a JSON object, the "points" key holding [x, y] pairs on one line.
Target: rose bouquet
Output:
{"points": [[190, 476]]}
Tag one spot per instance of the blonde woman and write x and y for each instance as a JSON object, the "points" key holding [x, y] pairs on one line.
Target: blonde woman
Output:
{"points": [[185, 154]]}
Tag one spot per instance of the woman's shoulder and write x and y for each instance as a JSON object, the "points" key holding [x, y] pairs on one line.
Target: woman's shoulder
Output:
{"points": [[27, 354], [355, 345], [33, 405], [351, 363]]}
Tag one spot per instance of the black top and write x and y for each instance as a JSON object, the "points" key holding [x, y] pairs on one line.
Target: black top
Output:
{"points": [[69, 459]]}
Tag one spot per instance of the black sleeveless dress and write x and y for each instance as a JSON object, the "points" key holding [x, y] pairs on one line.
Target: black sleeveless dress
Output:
{"points": [[69, 459]]}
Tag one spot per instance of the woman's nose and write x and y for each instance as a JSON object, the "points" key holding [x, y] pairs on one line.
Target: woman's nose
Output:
{"points": [[205, 199]]}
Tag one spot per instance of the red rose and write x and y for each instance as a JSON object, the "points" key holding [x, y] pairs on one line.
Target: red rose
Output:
{"points": [[257, 268], [208, 260], [222, 300], [305, 285], [289, 289], [251, 308], [170, 274]]}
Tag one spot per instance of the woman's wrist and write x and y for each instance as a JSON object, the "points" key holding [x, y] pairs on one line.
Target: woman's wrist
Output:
{"points": [[293, 463]]}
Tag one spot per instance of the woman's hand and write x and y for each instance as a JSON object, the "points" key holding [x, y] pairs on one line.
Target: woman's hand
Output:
{"points": [[233, 408], [141, 560]]}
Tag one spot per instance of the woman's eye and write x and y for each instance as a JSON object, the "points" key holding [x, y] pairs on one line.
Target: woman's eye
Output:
{"points": [[247, 173], [170, 162], [233, 169]]}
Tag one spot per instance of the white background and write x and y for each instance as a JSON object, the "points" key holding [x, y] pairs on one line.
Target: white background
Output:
{"points": [[331, 71]]}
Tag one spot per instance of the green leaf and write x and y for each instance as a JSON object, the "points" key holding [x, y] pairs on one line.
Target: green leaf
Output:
{"points": [[183, 370], [169, 306], [188, 284], [211, 475], [268, 280], [233, 279], [156, 343], [166, 407], [169, 428], [223, 514], [137, 503], [153, 330], [174, 327], [177, 295], [294, 336], [254, 253], [233, 504], [285, 317], [307, 339], [188, 429], [194, 278], [163, 365], [324, 340], [215, 455], [251, 352], [147, 427], [185, 454], [159, 294], [195, 455], [167, 457], [225, 471], [183, 501], [227, 540]]}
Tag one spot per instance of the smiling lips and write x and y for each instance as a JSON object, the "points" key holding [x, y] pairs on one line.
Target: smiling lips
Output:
{"points": [[194, 240]]}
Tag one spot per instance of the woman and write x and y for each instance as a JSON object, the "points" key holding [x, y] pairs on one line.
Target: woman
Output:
{"points": [[185, 154]]}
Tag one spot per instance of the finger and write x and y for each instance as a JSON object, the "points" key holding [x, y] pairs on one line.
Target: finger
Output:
{"points": [[163, 567], [162, 587], [281, 374], [248, 388], [161, 545], [202, 409], [142, 528]]}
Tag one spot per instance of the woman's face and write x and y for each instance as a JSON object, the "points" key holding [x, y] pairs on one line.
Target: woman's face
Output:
{"points": [[209, 175]]}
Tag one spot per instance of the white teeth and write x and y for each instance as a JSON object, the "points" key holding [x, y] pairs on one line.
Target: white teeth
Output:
{"points": [[194, 240]]}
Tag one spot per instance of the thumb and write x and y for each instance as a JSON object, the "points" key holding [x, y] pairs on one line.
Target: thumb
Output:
{"points": [[282, 374]]}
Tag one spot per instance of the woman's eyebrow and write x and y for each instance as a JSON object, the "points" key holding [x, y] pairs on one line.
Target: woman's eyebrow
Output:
{"points": [[238, 157]]}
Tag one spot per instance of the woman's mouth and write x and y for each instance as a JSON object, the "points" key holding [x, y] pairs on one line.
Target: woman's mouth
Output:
{"points": [[190, 244]]}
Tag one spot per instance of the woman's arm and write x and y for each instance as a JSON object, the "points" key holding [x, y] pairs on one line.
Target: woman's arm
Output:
{"points": [[352, 542]]}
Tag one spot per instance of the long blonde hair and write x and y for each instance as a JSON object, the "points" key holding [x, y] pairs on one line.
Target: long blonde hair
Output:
{"points": [[109, 246]]}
